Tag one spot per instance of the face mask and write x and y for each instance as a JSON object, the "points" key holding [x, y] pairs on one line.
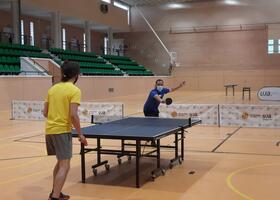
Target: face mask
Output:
{"points": [[159, 88]]}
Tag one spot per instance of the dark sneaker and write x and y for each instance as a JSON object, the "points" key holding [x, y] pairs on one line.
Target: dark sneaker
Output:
{"points": [[61, 196]]}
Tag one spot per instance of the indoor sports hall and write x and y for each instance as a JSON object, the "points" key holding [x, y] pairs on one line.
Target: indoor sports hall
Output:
{"points": [[139, 99]]}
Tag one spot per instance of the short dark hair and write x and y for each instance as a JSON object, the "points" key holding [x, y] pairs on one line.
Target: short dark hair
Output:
{"points": [[158, 80], [69, 70]]}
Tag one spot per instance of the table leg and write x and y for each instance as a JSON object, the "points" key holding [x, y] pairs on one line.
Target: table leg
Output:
{"points": [[182, 143], [98, 151], [83, 165], [158, 154], [138, 154], [176, 145]]}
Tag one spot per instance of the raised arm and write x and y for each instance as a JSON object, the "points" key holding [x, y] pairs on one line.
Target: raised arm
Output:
{"points": [[179, 86]]}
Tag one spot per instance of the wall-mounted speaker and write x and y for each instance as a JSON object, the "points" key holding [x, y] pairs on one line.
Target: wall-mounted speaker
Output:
{"points": [[104, 8]]}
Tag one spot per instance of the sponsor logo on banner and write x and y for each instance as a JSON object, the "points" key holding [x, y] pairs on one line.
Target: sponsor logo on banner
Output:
{"points": [[208, 113], [102, 112], [245, 116], [269, 94], [33, 110], [250, 115]]}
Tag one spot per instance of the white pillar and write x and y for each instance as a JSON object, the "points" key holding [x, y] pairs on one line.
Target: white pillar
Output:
{"points": [[110, 40], [88, 35], [56, 29], [16, 22]]}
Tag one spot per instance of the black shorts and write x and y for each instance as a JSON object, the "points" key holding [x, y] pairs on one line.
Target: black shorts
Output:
{"points": [[151, 114]]}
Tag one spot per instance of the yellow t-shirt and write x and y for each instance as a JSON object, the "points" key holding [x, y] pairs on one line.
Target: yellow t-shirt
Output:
{"points": [[59, 98]]}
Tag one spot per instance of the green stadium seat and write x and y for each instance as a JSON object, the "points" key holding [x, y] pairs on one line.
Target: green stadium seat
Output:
{"points": [[1, 68]]}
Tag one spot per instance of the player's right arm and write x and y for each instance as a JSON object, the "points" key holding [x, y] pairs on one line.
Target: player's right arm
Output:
{"points": [[75, 120], [157, 97]]}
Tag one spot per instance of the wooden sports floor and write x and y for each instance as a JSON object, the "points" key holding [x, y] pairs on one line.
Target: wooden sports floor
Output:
{"points": [[226, 163]]}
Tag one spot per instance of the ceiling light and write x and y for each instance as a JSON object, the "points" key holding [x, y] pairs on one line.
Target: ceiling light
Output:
{"points": [[232, 2], [175, 6]]}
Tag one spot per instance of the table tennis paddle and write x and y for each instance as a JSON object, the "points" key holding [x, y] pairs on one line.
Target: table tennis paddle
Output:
{"points": [[168, 101]]}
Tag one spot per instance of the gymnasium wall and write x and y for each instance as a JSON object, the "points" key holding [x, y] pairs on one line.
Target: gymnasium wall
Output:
{"points": [[93, 88], [209, 59], [202, 80], [84, 10], [6, 20], [97, 88], [22, 88], [219, 57], [206, 14]]}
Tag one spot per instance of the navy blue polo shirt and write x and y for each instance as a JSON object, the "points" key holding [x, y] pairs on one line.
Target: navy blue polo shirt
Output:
{"points": [[151, 105]]}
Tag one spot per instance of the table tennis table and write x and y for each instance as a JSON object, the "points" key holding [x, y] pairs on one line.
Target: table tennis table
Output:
{"points": [[138, 130]]}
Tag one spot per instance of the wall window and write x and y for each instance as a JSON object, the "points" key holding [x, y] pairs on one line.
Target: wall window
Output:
{"points": [[22, 31], [273, 46], [270, 46], [105, 45], [279, 46], [84, 42], [124, 7], [32, 34], [64, 38]]}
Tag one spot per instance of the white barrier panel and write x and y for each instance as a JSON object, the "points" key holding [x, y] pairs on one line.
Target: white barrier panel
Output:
{"points": [[269, 94], [102, 112], [28, 110], [33, 110], [266, 116], [208, 113]]}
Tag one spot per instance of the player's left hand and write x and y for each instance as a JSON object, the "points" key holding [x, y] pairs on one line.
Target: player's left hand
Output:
{"points": [[83, 140]]}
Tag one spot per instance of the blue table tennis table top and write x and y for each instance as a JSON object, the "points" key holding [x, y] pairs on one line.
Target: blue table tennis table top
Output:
{"points": [[143, 128]]}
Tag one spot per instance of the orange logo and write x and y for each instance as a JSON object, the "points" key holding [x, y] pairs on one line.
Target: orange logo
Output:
{"points": [[174, 114], [245, 116], [29, 110]]}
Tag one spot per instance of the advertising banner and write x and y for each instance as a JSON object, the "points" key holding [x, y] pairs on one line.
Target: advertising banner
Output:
{"points": [[103, 111], [208, 113], [265, 116]]}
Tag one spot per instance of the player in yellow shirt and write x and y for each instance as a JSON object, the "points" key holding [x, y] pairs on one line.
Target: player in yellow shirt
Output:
{"points": [[61, 111]]}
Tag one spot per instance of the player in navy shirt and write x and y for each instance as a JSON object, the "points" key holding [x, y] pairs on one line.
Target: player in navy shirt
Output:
{"points": [[156, 97]]}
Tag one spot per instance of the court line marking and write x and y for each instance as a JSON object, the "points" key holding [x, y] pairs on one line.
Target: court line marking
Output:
{"points": [[25, 163], [30, 141], [163, 150], [29, 137], [28, 176], [227, 138], [187, 136], [39, 156], [229, 152], [234, 173], [233, 139], [20, 135]]}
